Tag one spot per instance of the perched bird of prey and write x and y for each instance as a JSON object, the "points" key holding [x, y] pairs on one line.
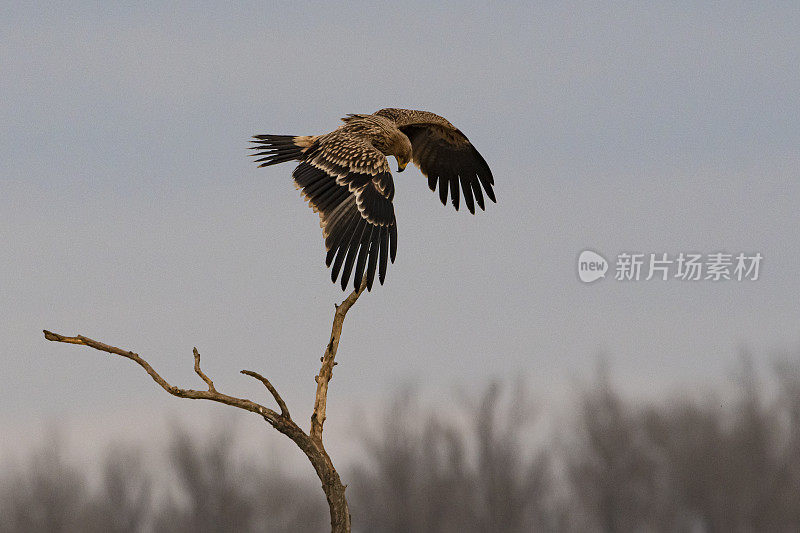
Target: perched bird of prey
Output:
{"points": [[346, 178]]}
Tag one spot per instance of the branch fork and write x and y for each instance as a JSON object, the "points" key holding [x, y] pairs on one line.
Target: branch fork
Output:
{"points": [[311, 442]]}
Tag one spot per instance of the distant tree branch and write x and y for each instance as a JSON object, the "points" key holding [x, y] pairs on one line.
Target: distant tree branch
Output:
{"points": [[310, 443]]}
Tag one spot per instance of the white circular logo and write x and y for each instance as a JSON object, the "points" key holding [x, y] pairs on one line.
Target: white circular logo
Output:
{"points": [[591, 266]]}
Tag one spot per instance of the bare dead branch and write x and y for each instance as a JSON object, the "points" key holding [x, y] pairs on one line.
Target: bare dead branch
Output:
{"points": [[269, 415], [200, 372], [328, 362], [311, 443], [271, 389]]}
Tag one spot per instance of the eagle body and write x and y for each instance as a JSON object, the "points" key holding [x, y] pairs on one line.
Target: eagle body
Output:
{"points": [[345, 177]]}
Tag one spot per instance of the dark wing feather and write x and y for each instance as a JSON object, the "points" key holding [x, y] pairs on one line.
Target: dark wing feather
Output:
{"points": [[349, 183], [445, 156], [384, 250], [449, 159]]}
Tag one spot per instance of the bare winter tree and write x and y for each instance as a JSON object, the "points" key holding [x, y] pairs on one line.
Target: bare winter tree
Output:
{"points": [[310, 443], [425, 472], [44, 496], [727, 462], [220, 491]]}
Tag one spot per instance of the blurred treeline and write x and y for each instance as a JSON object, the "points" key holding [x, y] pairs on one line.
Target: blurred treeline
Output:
{"points": [[706, 463]]}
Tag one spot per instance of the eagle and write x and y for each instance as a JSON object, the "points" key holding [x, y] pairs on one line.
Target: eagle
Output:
{"points": [[345, 177]]}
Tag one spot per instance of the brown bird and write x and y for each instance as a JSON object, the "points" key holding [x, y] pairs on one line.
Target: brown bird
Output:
{"points": [[346, 178]]}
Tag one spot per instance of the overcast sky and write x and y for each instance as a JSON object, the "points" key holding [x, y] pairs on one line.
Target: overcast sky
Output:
{"points": [[130, 212]]}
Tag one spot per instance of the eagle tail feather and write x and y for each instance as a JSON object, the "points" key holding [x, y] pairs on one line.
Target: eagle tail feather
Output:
{"points": [[274, 149]]}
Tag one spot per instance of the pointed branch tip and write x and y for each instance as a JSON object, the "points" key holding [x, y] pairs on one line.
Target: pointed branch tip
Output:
{"points": [[272, 390], [200, 373]]}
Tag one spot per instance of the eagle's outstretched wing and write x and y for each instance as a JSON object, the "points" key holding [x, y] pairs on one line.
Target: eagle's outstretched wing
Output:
{"points": [[445, 155], [349, 183]]}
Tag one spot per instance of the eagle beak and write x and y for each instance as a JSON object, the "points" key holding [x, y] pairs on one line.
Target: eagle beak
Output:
{"points": [[400, 167]]}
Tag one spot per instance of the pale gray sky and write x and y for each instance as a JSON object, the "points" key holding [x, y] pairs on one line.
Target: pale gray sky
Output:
{"points": [[130, 213]]}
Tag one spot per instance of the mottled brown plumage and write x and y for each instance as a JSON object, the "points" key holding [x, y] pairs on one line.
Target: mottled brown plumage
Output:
{"points": [[346, 178]]}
